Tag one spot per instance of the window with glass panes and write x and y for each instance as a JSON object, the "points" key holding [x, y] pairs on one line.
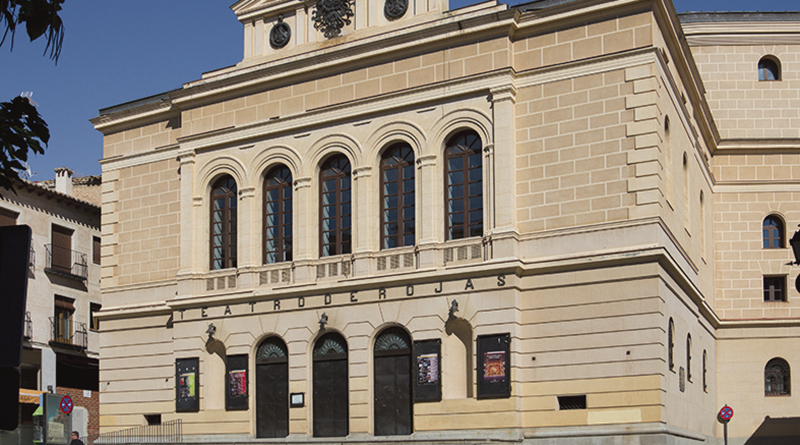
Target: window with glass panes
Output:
{"points": [[772, 232], [464, 186], [278, 215], [397, 197], [335, 215], [774, 288], [223, 224]]}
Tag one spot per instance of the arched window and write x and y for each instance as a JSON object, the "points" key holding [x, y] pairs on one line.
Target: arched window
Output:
{"points": [[772, 232], [335, 216], [776, 378], [671, 345], [393, 396], [330, 387], [769, 68], [689, 357], [277, 215], [272, 389], [223, 223], [464, 180], [397, 197]]}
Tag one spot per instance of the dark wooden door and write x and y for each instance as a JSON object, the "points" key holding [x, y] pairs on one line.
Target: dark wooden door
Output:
{"points": [[330, 397], [393, 395], [272, 399]]}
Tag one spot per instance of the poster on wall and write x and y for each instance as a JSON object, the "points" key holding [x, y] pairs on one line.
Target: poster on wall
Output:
{"points": [[187, 385], [57, 422], [427, 368], [494, 366], [236, 382]]}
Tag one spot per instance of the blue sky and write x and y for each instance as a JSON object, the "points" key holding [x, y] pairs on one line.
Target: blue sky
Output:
{"points": [[117, 51]]}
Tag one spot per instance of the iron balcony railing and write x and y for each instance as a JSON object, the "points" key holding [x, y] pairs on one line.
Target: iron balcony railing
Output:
{"points": [[69, 333], [170, 431], [28, 326], [65, 261]]}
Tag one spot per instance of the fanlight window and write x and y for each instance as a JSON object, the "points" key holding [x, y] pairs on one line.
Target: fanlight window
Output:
{"points": [[772, 232], [392, 339], [271, 349], [769, 68], [330, 344], [776, 378]]}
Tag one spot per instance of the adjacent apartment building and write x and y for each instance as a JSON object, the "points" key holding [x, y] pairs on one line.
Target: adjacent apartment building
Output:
{"points": [[61, 340], [557, 222]]}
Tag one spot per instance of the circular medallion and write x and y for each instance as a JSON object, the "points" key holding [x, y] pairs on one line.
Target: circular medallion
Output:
{"points": [[394, 9], [280, 34], [66, 404], [726, 413]]}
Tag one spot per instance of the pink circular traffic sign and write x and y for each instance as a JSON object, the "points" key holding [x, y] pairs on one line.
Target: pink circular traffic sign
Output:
{"points": [[726, 413]]}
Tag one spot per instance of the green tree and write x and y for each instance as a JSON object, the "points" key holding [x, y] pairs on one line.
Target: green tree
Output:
{"points": [[22, 129]]}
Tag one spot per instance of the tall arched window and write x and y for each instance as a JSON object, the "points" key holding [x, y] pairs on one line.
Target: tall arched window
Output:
{"points": [[223, 223], [772, 232], [671, 344], [397, 197], [272, 389], [335, 216], [464, 181], [393, 401], [777, 378], [330, 387], [689, 357], [769, 68], [277, 215]]}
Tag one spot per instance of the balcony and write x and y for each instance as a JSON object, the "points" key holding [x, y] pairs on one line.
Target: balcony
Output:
{"points": [[66, 262], [68, 333]]}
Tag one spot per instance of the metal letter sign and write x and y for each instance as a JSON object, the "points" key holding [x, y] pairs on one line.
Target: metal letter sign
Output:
{"points": [[726, 413], [66, 404]]}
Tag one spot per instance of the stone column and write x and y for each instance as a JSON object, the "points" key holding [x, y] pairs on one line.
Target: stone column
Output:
{"points": [[303, 247], [248, 247], [429, 211], [363, 219], [190, 261], [502, 172]]}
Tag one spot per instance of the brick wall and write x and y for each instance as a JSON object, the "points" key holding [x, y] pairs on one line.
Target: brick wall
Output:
{"points": [[92, 405]]}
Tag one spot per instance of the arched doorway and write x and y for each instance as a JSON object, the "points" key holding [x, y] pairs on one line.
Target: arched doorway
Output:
{"points": [[272, 389], [393, 401], [331, 401]]}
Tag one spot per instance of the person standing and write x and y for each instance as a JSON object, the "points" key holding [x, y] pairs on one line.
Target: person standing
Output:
{"points": [[75, 439]]}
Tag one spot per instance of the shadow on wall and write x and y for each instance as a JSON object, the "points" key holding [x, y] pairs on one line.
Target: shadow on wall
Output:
{"points": [[780, 431]]}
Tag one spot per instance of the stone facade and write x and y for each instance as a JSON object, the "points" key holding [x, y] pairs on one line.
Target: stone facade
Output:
{"points": [[617, 246]]}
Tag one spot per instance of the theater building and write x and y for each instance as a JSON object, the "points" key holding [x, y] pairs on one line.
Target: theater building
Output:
{"points": [[598, 249]]}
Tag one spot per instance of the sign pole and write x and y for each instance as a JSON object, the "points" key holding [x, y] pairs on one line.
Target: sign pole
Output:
{"points": [[725, 433]]}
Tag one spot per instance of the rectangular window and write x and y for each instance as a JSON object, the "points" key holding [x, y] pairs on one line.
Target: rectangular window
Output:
{"points": [[494, 366], [94, 323], [775, 288], [153, 419], [96, 249], [62, 319], [8, 218], [61, 249]]}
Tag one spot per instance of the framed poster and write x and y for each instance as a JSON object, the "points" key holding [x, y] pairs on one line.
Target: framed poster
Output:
{"points": [[187, 385], [494, 366], [427, 371], [236, 382]]}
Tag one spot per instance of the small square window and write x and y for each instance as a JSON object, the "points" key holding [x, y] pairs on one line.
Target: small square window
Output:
{"points": [[775, 288], [571, 402], [153, 419]]}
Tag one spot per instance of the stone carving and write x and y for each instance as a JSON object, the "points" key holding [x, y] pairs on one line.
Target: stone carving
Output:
{"points": [[394, 9], [280, 34], [330, 16]]}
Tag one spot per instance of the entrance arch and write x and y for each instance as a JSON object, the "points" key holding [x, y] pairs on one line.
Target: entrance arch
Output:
{"points": [[272, 389], [331, 389], [393, 401]]}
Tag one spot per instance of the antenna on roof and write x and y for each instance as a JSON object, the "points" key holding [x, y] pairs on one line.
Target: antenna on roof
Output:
{"points": [[28, 95]]}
